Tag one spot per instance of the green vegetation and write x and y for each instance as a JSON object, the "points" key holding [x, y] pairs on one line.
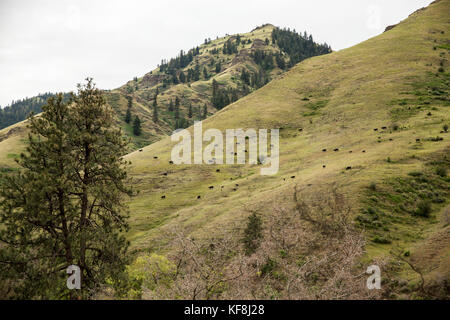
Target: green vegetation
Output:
{"points": [[65, 206]]}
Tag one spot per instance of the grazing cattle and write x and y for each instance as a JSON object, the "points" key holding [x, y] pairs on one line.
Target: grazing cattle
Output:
{"points": [[293, 177], [336, 149], [218, 170], [155, 157], [417, 140], [236, 185], [350, 151], [140, 150], [300, 129], [324, 150], [348, 168], [198, 197], [384, 128], [364, 151], [390, 139], [234, 189], [376, 129], [170, 162], [165, 174], [324, 166], [211, 187], [163, 197]]}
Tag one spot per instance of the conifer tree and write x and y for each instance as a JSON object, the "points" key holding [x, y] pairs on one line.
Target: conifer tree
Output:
{"points": [[65, 206], [137, 130], [205, 111], [190, 111], [128, 116]]}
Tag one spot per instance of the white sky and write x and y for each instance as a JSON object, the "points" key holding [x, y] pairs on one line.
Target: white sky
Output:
{"points": [[52, 45]]}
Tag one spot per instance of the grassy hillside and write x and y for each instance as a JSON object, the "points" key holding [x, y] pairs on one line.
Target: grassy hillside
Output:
{"points": [[382, 103]]}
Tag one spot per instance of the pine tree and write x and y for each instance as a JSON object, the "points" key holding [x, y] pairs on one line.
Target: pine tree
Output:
{"points": [[171, 105], [205, 111], [155, 113], [65, 206], [190, 111], [129, 102], [128, 116], [182, 77], [177, 112], [137, 130]]}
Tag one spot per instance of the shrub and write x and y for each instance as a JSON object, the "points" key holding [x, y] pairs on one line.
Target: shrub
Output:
{"points": [[381, 240], [252, 233], [445, 127], [424, 209], [268, 267], [415, 174], [373, 186], [441, 171]]}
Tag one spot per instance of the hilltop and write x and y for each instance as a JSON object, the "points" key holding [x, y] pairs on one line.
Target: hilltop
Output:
{"points": [[195, 84]]}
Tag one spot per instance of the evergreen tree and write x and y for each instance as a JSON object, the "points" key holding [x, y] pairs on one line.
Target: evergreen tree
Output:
{"points": [[177, 112], [182, 77], [65, 206], [137, 130], [205, 112], [155, 113], [128, 116], [190, 111], [171, 105], [129, 102]]}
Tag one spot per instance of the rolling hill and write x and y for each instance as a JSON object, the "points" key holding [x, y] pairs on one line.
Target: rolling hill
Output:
{"points": [[381, 104]]}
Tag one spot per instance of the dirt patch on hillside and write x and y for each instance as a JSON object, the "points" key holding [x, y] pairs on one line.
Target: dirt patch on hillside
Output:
{"points": [[10, 132]]}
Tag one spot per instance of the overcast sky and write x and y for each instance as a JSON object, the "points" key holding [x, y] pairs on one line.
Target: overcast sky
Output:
{"points": [[52, 45]]}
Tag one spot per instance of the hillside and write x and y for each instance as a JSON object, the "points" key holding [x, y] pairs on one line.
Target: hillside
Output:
{"points": [[370, 121], [383, 104], [237, 64]]}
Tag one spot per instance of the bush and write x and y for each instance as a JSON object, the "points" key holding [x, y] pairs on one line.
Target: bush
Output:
{"points": [[441, 171], [373, 186], [424, 209], [381, 240], [445, 127], [415, 174], [252, 233]]}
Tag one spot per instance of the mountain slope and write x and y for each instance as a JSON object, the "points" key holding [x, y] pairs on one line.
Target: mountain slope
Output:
{"points": [[396, 83], [393, 177], [238, 64]]}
